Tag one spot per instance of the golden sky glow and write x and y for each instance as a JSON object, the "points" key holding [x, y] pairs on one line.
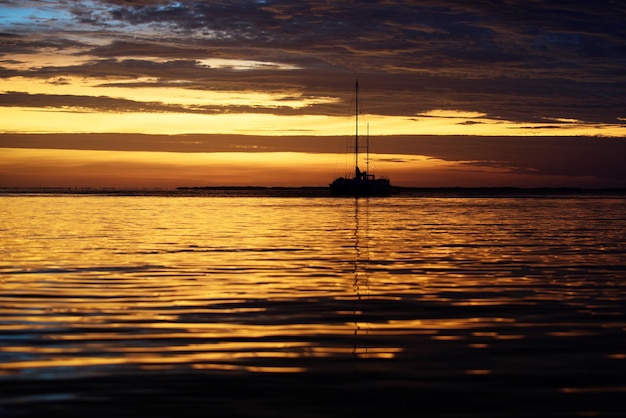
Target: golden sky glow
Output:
{"points": [[167, 70], [28, 120], [77, 119]]}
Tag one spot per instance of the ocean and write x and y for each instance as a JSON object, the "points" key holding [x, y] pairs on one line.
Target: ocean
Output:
{"points": [[251, 303]]}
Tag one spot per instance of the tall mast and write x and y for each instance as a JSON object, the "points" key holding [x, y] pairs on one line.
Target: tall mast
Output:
{"points": [[356, 138]]}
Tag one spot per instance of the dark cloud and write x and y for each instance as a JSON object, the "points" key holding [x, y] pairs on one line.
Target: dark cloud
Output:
{"points": [[79, 104], [600, 159], [82, 104], [595, 158], [524, 61]]}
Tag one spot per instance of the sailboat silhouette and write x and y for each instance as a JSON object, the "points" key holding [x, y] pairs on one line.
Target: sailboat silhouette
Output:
{"points": [[362, 183]]}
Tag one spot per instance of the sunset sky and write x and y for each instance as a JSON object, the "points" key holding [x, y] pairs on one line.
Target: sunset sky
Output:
{"points": [[125, 93]]}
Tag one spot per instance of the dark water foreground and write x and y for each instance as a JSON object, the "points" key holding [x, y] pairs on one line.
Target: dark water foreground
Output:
{"points": [[326, 394], [240, 306], [543, 376]]}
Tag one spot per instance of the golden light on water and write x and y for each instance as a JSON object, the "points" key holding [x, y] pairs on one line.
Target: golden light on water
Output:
{"points": [[392, 292]]}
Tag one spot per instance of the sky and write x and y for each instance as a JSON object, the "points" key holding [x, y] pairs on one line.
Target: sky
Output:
{"points": [[452, 93]]}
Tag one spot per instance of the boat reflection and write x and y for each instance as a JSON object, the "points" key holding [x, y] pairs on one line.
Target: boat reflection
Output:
{"points": [[360, 270]]}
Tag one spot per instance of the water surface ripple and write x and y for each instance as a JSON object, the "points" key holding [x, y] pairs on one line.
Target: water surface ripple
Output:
{"points": [[284, 306]]}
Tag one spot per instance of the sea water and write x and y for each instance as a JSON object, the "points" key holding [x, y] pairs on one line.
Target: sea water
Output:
{"points": [[179, 305]]}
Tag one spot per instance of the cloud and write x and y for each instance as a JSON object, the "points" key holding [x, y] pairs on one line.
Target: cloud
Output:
{"points": [[512, 60], [78, 104], [553, 156], [599, 158]]}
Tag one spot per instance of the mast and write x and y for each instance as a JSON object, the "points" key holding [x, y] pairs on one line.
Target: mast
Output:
{"points": [[356, 137], [367, 149]]}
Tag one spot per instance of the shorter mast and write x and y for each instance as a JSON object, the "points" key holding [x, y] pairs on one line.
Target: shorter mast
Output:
{"points": [[356, 137]]}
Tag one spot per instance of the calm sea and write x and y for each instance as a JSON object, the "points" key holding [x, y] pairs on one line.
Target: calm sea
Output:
{"points": [[271, 306]]}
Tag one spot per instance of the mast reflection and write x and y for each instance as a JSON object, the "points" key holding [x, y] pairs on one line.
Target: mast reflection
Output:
{"points": [[360, 283]]}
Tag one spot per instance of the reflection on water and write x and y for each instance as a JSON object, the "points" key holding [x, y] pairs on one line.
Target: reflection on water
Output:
{"points": [[498, 303], [361, 277]]}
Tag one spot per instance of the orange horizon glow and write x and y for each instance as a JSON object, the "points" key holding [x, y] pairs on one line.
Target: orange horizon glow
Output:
{"points": [[168, 170]]}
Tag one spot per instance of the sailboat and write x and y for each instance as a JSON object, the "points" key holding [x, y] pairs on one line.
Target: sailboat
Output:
{"points": [[362, 183]]}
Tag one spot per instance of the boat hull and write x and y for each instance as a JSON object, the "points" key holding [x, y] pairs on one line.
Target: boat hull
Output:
{"points": [[359, 187]]}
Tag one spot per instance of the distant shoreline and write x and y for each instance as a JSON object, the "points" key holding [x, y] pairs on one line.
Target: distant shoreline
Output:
{"points": [[317, 191]]}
